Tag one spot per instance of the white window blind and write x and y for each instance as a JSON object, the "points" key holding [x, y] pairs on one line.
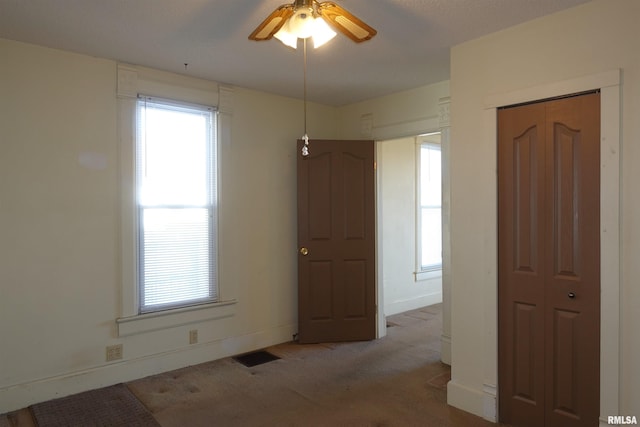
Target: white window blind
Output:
{"points": [[177, 204]]}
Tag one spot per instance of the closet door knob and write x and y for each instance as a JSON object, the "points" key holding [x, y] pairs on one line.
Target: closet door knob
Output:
{"points": [[571, 295]]}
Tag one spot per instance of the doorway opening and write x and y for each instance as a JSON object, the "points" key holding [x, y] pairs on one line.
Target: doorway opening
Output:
{"points": [[409, 180]]}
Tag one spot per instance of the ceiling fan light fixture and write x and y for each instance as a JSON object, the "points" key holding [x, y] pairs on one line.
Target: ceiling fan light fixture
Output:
{"points": [[287, 37], [302, 22], [310, 18], [322, 33]]}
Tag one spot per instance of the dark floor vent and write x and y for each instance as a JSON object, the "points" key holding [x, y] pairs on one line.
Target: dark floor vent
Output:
{"points": [[255, 358]]}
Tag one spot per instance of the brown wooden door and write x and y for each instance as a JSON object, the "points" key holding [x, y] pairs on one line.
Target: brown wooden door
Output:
{"points": [[549, 262], [336, 227]]}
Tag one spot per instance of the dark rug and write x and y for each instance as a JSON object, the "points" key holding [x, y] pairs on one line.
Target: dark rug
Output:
{"points": [[255, 358], [110, 406]]}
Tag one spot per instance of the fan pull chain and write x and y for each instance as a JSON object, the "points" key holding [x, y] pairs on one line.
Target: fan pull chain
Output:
{"points": [[305, 137]]}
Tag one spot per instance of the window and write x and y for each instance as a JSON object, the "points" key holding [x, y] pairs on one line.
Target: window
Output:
{"points": [[176, 199], [430, 203]]}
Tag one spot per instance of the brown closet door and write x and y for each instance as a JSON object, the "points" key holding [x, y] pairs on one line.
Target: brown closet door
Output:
{"points": [[549, 262]]}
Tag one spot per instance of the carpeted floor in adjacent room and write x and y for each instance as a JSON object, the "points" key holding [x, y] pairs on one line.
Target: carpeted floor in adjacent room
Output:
{"points": [[395, 381]]}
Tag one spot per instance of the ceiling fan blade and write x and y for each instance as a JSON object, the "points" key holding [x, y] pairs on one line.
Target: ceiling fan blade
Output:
{"points": [[273, 23], [345, 22]]}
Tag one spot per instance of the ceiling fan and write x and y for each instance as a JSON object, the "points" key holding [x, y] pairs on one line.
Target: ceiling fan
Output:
{"points": [[311, 18]]}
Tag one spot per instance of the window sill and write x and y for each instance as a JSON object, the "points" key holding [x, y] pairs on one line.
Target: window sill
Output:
{"points": [[426, 275], [171, 318]]}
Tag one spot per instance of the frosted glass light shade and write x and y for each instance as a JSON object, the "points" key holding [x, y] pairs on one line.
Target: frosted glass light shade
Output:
{"points": [[322, 33], [316, 28], [287, 37], [302, 23]]}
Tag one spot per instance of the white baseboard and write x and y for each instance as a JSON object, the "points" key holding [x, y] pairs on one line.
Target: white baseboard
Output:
{"points": [[20, 396], [465, 398], [490, 412], [396, 307]]}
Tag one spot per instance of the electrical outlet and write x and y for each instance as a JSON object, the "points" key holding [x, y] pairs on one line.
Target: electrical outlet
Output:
{"points": [[193, 336], [114, 352]]}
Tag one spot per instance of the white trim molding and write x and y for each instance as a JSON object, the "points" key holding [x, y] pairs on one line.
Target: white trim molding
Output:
{"points": [[402, 306], [489, 392], [466, 397], [445, 344], [444, 114], [381, 132], [173, 318]]}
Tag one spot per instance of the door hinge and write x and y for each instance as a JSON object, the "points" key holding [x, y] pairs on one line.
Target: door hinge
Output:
{"points": [[375, 165]]}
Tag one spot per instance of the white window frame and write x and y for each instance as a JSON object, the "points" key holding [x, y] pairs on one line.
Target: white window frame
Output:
{"points": [[209, 204], [434, 271], [131, 81]]}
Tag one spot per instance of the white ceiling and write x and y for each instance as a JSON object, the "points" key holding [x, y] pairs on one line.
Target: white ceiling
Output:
{"points": [[410, 50]]}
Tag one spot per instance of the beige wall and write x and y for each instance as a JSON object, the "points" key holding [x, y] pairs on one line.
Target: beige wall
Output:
{"points": [[407, 113], [61, 283], [550, 53]]}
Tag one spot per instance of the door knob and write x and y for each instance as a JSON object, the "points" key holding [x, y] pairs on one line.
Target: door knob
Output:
{"points": [[304, 251], [571, 295]]}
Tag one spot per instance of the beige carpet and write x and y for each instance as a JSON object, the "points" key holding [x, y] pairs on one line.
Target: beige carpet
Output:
{"points": [[395, 381]]}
